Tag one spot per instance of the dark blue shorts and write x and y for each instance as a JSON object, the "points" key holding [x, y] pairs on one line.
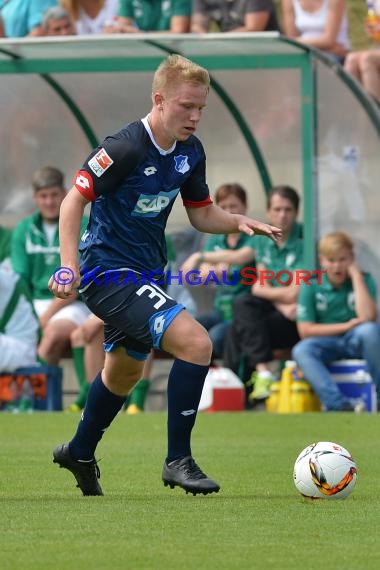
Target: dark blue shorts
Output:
{"points": [[136, 311]]}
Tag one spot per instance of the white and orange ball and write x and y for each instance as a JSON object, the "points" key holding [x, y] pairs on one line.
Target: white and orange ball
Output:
{"points": [[325, 470]]}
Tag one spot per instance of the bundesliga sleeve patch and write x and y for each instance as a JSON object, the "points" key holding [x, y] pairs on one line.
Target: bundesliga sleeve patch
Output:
{"points": [[84, 184], [100, 162]]}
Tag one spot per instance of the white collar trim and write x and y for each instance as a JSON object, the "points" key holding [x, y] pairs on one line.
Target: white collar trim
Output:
{"points": [[145, 122]]}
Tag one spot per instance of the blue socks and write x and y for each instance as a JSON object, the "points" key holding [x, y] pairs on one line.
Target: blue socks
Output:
{"points": [[185, 386], [101, 408]]}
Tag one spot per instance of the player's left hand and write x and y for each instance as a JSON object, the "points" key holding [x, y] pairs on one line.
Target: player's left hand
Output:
{"points": [[254, 227]]}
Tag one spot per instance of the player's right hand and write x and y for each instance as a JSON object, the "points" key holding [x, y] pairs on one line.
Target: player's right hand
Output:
{"points": [[64, 282]]}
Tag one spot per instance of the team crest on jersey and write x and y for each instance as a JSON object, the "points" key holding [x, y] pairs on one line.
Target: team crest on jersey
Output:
{"points": [[181, 163], [351, 300], [320, 301], [290, 259], [100, 162]]}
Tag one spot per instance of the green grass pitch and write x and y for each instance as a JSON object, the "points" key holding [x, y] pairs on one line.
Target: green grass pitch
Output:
{"points": [[257, 521]]}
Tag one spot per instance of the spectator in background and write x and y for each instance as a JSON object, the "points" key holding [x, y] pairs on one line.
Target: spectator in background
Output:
{"points": [[35, 256], [234, 16], [321, 24], [18, 323], [146, 16], [23, 17], [90, 16], [57, 22], [224, 256], [365, 65], [265, 320], [336, 320]]}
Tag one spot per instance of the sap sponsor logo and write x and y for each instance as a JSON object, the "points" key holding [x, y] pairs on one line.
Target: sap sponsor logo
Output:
{"points": [[149, 170], [150, 206], [100, 162], [181, 163]]}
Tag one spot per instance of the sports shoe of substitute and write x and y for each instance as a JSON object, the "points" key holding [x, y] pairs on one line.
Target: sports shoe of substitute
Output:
{"points": [[186, 474], [86, 473], [261, 382], [73, 408], [132, 410], [358, 407]]}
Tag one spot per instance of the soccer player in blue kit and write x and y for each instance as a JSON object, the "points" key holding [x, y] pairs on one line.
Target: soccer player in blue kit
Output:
{"points": [[132, 181]]}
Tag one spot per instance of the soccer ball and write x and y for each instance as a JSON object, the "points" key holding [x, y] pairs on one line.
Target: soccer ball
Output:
{"points": [[325, 470]]}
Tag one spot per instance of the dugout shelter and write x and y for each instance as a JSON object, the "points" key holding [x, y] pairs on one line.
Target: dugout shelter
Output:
{"points": [[278, 113]]}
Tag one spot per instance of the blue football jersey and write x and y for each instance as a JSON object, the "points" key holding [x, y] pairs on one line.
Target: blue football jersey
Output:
{"points": [[133, 184]]}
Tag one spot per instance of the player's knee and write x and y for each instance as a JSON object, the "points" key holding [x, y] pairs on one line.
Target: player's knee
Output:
{"points": [[352, 61], [76, 337], [54, 335], [200, 345], [303, 348], [368, 332], [368, 61]]}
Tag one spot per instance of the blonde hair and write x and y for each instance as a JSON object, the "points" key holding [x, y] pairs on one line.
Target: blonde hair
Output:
{"points": [[334, 242], [72, 7], [177, 69]]}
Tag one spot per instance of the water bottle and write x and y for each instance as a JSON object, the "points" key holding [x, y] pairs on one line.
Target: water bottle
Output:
{"points": [[300, 396], [285, 387], [27, 396], [271, 403], [303, 398]]}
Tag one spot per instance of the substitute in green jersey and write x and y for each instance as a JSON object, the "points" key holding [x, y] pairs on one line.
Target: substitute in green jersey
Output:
{"points": [[265, 319], [147, 16], [336, 320], [18, 323], [35, 255], [221, 262]]}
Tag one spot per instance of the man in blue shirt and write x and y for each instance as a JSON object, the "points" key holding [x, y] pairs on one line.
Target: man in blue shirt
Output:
{"points": [[23, 17], [132, 181]]}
